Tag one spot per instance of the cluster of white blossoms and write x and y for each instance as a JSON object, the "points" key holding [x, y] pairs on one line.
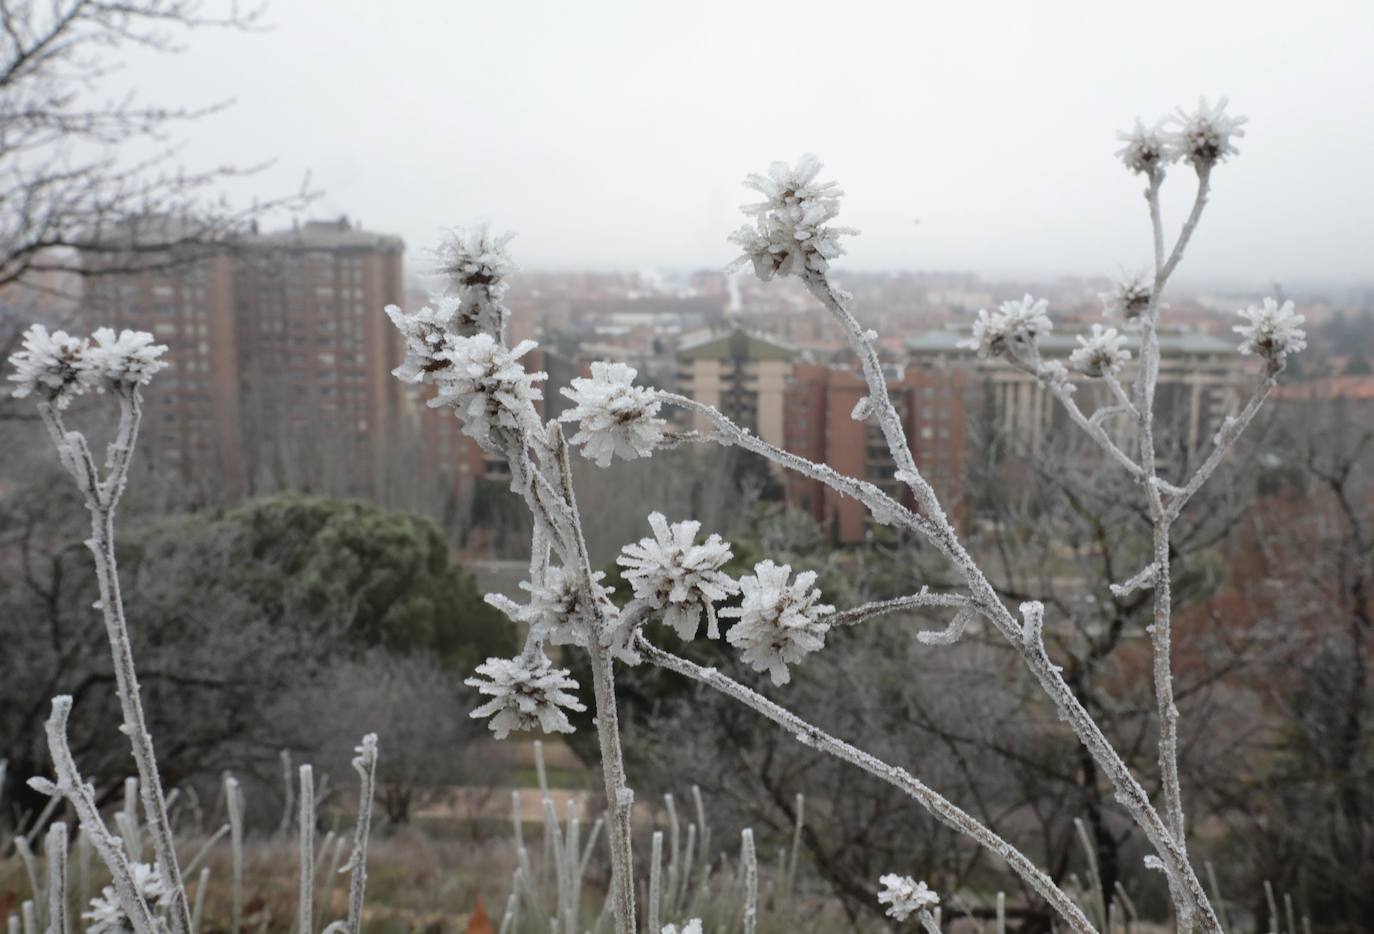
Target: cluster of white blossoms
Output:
{"points": [[487, 386], [904, 896], [1100, 353], [557, 611], [107, 916], [675, 574], [526, 693], [428, 334], [789, 236], [59, 367], [1012, 329], [779, 622], [1203, 138], [613, 415], [1128, 299], [1273, 332]]}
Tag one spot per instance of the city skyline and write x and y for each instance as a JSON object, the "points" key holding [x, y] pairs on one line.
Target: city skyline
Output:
{"points": [[965, 140]]}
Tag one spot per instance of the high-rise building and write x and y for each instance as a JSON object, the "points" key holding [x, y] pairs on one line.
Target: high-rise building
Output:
{"points": [[820, 422], [741, 373], [277, 342]]}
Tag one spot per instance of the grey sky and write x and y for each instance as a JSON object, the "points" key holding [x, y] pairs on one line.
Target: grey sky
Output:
{"points": [[615, 135]]}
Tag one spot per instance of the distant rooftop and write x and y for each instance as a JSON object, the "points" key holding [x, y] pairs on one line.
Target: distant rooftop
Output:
{"points": [[1176, 341], [340, 234], [733, 343], [1359, 387]]}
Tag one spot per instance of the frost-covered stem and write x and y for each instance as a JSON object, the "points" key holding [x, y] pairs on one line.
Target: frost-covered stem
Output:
{"points": [[366, 766], [928, 922], [655, 881], [1119, 392], [1231, 430], [941, 808], [750, 864], [1061, 391], [55, 852], [867, 611], [198, 906], [619, 797], [82, 798], [304, 920], [233, 803], [101, 501]]}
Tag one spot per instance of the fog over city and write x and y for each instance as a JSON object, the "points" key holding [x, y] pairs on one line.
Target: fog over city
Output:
{"points": [[972, 137]]}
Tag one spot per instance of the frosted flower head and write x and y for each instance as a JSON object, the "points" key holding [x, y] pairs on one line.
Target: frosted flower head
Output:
{"points": [[1273, 332], [904, 896], [779, 622], [124, 361], [1013, 328], [107, 916], [789, 236], [427, 334], [475, 257], [487, 386], [691, 927], [1100, 353], [1128, 300], [558, 610], [673, 573], [526, 694], [1205, 136], [613, 415], [1146, 149], [55, 367]]}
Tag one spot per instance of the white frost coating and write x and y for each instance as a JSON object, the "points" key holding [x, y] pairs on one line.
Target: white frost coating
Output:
{"points": [[1100, 353], [107, 916], [365, 764], [125, 360], [614, 416], [54, 367], [1204, 136], [789, 236], [1128, 299], [1272, 332], [904, 896], [1012, 329], [1147, 149], [673, 573], [863, 410], [691, 927], [779, 622], [487, 387], [526, 693], [557, 611]]}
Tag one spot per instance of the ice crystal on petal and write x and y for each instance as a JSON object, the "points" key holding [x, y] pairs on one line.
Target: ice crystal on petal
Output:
{"points": [[106, 915], [56, 366], [789, 236], [1100, 353], [1273, 332], [1146, 149], [863, 409], [673, 573], [904, 896], [487, 386], [1204, 137], [613, 415], [526, 693], [779, 623], [124, 361], [1015, 326]]}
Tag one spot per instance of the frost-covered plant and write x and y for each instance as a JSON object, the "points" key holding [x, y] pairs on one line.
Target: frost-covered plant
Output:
{"points": [[674, 574], [904, 896], [142, 898], [614, 416], [779, 622], [526, 694], [679, 579], [1272, 332]]}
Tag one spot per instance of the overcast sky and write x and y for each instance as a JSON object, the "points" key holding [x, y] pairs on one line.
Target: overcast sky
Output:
{"points": [[967, 136]]}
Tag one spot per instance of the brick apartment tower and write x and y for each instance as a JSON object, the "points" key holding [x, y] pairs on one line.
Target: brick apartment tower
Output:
{"points": [[819, 402], [277, 344]]}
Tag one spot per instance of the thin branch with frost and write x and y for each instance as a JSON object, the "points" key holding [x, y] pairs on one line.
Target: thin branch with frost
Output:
{"points": [[55, 853], [306, 897]]}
